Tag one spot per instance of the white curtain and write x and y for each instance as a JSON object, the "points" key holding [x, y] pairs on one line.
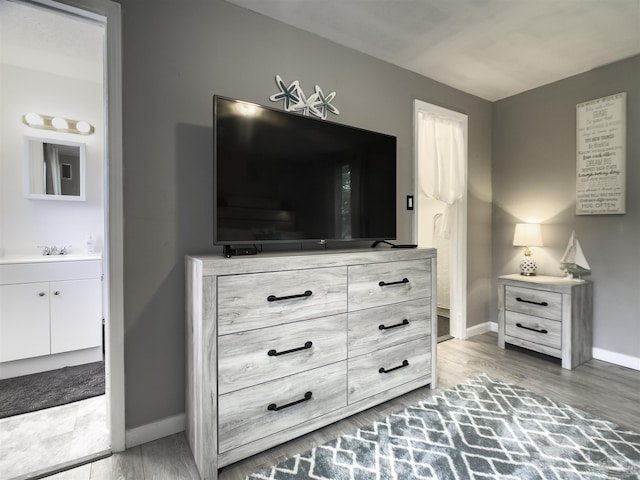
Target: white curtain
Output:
{"points": [[442, 162], [53, 157]]}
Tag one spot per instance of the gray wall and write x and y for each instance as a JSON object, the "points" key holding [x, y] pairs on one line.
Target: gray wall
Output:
{"points": [[534, 161], [176, 55]]}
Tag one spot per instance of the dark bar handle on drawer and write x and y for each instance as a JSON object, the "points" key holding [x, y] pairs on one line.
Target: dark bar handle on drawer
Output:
{"points": [[543, 304], [275, 408], [273, 353], [386, 284], [273, 298], [405, 363], [519, 325], [404, 322]]}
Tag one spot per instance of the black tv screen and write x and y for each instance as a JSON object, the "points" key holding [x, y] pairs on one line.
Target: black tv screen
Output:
{"points": [[284, 177]]}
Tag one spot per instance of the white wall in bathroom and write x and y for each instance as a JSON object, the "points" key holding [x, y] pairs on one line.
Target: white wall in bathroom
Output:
{"points": [[428, 211], [27, 223]]}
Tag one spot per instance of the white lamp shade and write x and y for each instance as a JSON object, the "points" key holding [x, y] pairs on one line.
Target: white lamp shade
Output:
{"points": [[527, 235]]}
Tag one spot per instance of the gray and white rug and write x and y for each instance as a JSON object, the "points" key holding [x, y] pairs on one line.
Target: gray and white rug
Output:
{"points": [[482, 429]]}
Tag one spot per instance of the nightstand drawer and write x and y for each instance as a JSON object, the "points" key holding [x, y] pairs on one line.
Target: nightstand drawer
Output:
{"points": [[378, 284], [259, 300], [381, 327], [389, 367], [540, 303], [248, 358], [257, 412], [534, 329]]}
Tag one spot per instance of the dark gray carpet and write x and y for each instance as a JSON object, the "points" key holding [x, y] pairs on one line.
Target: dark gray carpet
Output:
{"points": [[482, 429], [444, 333], [49, 389]]}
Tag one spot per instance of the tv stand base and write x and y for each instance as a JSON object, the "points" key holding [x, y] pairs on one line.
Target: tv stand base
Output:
{"points": [[393, 245]]}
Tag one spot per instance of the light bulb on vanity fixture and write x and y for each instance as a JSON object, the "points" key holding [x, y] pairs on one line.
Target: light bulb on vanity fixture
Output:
{"points": [[527, 235], [33, 120], [59, 124]]}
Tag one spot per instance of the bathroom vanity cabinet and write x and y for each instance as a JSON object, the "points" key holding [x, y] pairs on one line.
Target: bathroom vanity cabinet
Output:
{"points": [[50, 313]]}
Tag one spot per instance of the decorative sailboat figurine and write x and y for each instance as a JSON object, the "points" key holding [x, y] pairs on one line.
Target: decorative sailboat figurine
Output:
{"points": [[573, 261]]}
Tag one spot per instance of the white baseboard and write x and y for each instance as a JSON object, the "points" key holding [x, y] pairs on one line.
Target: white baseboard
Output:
{"points": [[616, 358], [155, 430], [481, 328], [27, 366], [597, 353], [177, 423]]}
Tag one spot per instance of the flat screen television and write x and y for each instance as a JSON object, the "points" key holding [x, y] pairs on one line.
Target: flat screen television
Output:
{"points": [[284, 177]]}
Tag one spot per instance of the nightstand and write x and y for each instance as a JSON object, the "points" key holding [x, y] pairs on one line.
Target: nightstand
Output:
{"points": [[550, 315]]}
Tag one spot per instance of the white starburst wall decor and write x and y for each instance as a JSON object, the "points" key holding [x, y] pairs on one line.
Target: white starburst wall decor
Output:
{"points": [[294, 99]]}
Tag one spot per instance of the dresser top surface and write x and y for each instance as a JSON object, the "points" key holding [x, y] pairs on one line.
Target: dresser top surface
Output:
{"points": [[219, 265]]}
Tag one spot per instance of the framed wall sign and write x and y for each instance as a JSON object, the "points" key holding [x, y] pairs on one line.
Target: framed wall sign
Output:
{"points": [[601, 156]]}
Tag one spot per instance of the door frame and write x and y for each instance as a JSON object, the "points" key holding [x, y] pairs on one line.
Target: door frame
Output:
{"points": [[458, 254], [108, 13]]}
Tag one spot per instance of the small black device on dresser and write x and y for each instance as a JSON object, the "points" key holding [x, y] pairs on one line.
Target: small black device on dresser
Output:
{"points": [[230, 251]]}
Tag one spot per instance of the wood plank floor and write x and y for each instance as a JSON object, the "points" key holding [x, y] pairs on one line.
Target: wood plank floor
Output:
{"points": [[608, 391]]}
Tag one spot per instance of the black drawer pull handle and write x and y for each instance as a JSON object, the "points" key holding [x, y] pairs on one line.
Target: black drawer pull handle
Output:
{"points": [[519, 325], [275, 408], [273, 298], [542, 304], [404, 322], [405, 363], [273, 353], [386, 284]]}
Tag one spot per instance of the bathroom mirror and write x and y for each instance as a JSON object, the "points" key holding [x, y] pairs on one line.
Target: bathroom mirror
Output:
{"points": [[54, 169]]}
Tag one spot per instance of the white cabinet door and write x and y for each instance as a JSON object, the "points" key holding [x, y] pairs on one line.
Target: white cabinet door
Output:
{"points": [[76, 315], [24, 321]]}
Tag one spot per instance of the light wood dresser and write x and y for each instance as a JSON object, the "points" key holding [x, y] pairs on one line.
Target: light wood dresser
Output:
{"points": [[281, 344], [550, 315]]}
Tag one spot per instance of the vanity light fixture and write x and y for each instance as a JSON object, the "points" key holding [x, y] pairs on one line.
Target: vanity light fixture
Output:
{"points": [[527, 235], [58, 124]]}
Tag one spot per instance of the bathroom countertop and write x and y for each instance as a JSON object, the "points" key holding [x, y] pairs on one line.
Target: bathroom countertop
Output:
{"points": [[26, 258]]}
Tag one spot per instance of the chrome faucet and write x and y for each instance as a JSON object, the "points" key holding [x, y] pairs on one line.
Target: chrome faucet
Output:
{"points": [[53, 250]]}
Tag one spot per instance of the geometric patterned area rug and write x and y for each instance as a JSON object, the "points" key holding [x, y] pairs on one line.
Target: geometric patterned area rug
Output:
{"points": [[482, 429]]}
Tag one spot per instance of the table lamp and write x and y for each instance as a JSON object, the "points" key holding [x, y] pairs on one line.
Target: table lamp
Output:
{"points": [[527, 235]]}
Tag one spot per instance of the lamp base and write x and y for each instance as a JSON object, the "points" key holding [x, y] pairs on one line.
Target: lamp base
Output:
{"points": [[528, 266]]}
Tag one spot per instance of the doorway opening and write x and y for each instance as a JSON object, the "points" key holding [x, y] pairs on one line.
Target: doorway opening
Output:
{"points": [[452, 251], [64, 60]]}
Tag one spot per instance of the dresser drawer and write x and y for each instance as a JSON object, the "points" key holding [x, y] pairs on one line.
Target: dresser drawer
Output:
{"points": [[381, 327], [248, 358], [399, 364], [534, 329], [380, 284], [258, 300], [540, 303], [244, 415]]}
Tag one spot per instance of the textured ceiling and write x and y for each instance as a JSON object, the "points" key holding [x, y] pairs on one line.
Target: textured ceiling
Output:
{"points": [[41, 39], [489, 48]]}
